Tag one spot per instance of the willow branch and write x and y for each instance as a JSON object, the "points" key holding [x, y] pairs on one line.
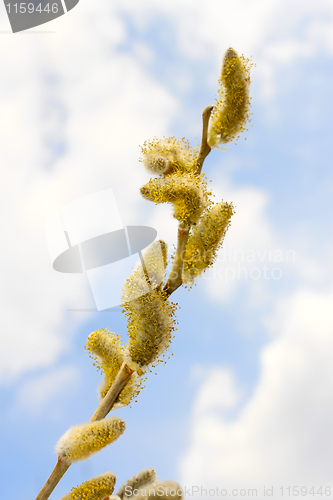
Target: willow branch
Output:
{"points": [[108, 401], [174, 281], [103, 409], [205, 149], [175, 277]]}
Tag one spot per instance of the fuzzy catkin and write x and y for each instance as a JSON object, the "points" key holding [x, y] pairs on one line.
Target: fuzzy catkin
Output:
{"points": [[164, 156], [150, 316], [153, 264], [187, 193], [144, 477], [149, 272], [150, 323], [80, 441], [205, 240], [108, 354], [94, 489], [232, 108]]}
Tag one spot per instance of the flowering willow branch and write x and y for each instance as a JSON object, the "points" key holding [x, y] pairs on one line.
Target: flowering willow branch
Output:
{"points": [[150, 314], [174, 281], [175, 276]]}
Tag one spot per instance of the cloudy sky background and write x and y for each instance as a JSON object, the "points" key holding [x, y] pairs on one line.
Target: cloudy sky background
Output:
{"points": [[246, 400]]}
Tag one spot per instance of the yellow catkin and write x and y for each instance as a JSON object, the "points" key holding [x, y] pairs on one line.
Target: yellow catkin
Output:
{"points": [[205, 240], [108, 354], [150, 315], [94, 489], [149, 272], [80, 441], [144, 477], [153, 264], [187, 193], [150, 323], [167, 155], [232, 110]]}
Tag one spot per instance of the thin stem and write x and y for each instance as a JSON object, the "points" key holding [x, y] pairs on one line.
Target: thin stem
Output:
{"points": [[103, 409], [205, 149], [175, 277], [108, 401]]}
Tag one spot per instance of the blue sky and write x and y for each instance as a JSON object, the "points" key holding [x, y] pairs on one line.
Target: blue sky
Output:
{"points": [[246, 398]]}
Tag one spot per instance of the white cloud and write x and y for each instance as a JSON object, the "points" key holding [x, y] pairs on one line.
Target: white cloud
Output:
{"points": [[40, 394], [282, 435], [320, 33], [71, 89], [276, 33], [73, 113], [286, 51], [228, 394]]}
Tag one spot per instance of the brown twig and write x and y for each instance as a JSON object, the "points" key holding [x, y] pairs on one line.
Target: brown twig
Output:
{"points": [[108, 401], [205, 149], [175, 277]]}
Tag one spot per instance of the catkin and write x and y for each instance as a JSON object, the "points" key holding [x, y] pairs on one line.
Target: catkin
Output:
{"points": [[153, 264], [144, 477], [150, 316], [94, 489], [80, 441], [232, 108], [168, 155], [150, 323], [205, 240], [108, 354], [187, 193], [149, 272]]}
